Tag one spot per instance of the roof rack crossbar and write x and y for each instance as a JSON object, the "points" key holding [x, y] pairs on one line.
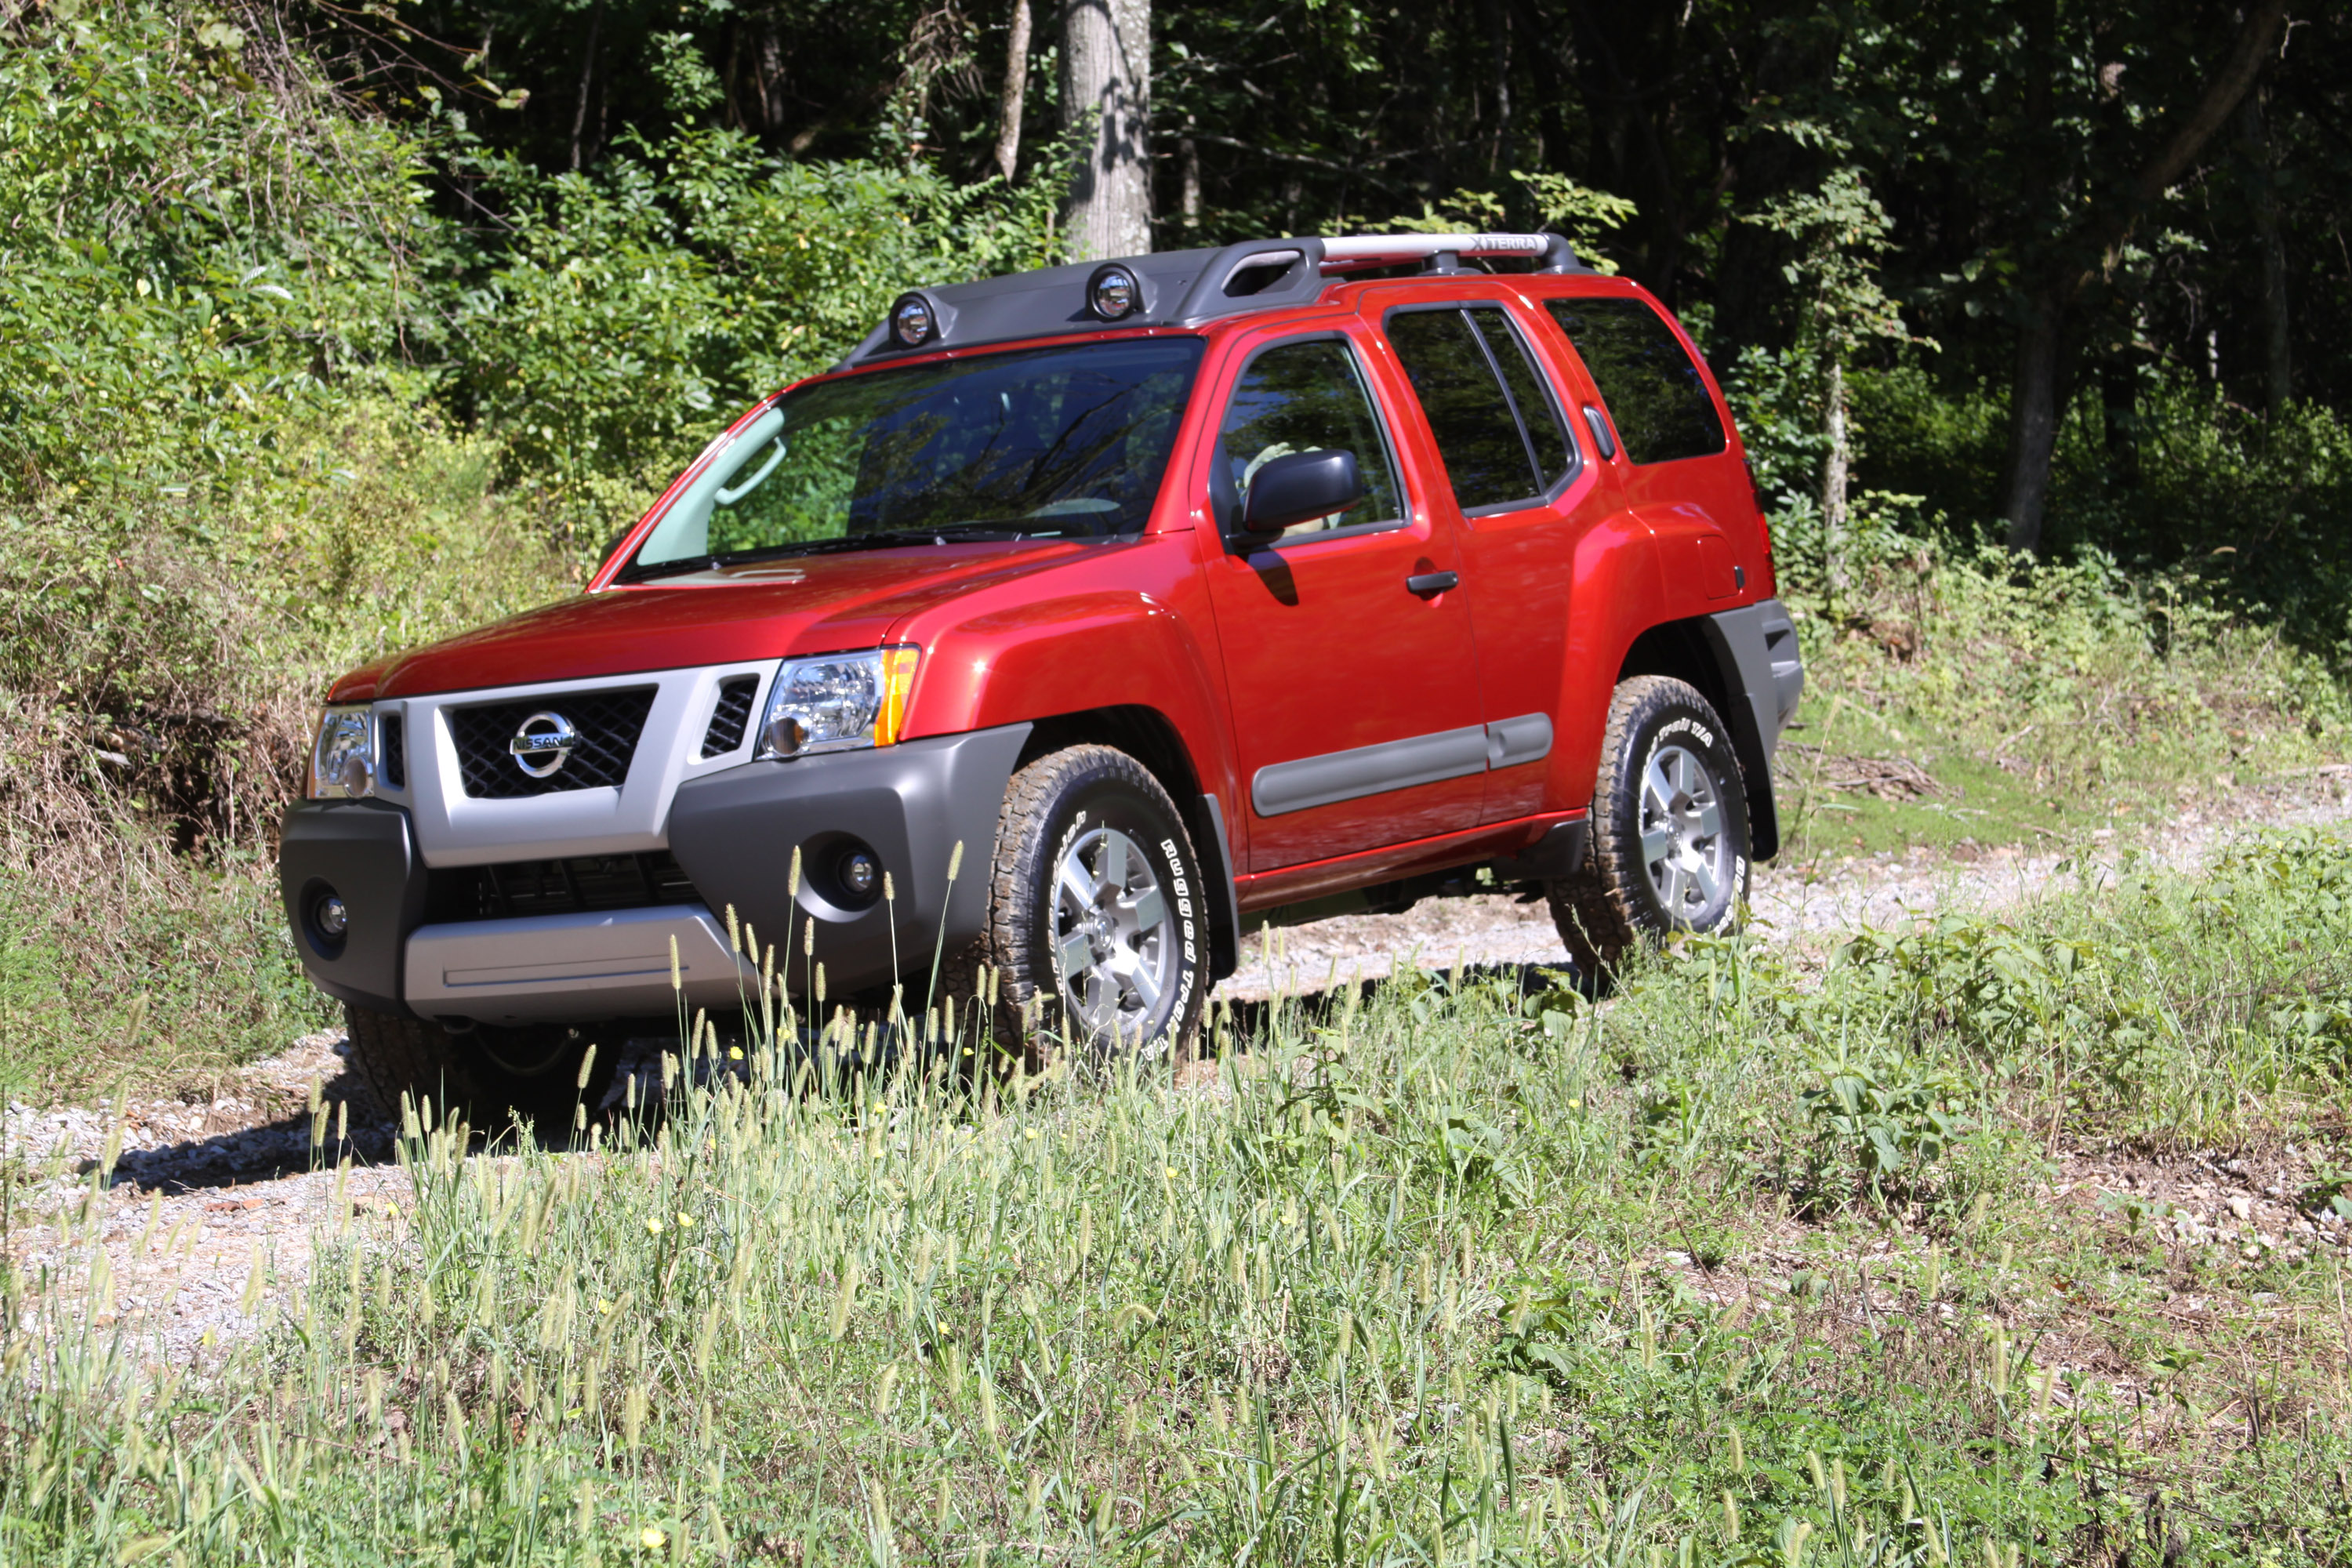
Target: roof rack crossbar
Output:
{"points": [[1348, 251]]}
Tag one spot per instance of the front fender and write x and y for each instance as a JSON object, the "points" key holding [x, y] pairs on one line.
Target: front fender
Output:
{"points": [[1071, 653]]}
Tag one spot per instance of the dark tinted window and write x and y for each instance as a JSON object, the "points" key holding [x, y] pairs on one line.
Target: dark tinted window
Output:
{"points": [[1655, 398], [1477, 434], [1546, 438], [1308, 397]]}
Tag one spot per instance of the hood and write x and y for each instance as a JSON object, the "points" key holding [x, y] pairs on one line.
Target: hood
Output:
{"points": [[819, 604]]}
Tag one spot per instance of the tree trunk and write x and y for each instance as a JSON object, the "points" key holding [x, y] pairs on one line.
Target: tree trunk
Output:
{"points": [[1106, 77], [2119, 407], [2032, 423], [2034, 402], [1835, 471], [1188, 158], [587, 74], [2278, 362], [1016, 87]]}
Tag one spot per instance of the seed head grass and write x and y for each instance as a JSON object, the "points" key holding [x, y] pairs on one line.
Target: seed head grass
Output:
{"points": [[1751, 1264]]}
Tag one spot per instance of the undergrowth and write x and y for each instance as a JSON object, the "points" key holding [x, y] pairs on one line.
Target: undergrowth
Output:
{"points": [[1738, 1269]]}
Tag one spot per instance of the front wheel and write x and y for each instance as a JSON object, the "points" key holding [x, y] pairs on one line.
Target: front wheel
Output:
{"points": [[1669, 846], [1097, 934], [487, 1076]]}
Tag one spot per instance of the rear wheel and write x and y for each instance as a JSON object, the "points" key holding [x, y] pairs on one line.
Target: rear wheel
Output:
{"points": [[488, 1075], [1096, 937], [1669, 846]]}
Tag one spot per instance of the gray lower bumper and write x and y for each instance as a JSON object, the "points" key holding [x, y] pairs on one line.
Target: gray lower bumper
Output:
{"points": [[610, 963], [733, 833], [909, 806]]}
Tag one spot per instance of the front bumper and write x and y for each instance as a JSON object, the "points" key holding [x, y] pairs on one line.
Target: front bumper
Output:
{"points": [[733, 833]]}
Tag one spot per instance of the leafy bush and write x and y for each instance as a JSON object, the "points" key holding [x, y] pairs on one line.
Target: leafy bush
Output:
{"points": [[634, 308]]}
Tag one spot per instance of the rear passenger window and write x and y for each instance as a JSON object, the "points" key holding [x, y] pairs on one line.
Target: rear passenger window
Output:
{"points": [[1656, 397], [1498, 432]]}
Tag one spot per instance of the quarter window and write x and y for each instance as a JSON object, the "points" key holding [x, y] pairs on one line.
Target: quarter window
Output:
{"points": [[1498, 432], [1656, 397], [1306, 396]]}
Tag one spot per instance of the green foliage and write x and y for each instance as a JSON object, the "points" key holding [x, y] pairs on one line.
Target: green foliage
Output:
{"points": [[635, 309], [187, 257], [1888, 1128]]}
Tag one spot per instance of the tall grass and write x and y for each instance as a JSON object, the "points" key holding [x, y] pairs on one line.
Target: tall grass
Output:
{"points": [[1735, 1269]]}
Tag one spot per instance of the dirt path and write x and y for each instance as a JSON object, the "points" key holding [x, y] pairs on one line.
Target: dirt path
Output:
{"points": [[201, 1191]]}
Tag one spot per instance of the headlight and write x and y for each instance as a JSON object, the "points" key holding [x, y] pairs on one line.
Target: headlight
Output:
{"points": [[343, 764], [837, 702]]}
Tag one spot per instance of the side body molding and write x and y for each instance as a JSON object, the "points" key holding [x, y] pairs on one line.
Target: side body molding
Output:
{"points": [[1400, 764]]}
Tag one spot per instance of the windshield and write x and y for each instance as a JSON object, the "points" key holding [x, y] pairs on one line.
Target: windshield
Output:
{"points": [[1055, 443]]}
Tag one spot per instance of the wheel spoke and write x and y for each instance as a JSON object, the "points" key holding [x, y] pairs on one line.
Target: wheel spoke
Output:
{"points": [[1114, 862], [1075, 885], [1145, 985], [1657, 788], [1703, 870], [1709, 818], [1670, 889], [1657, 843], [1150, 909], [1077, 955]]}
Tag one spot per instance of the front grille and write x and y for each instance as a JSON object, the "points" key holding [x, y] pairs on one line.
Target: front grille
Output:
{"points": [[574, 886], [607, 723], [396, 751], [730, 717]]}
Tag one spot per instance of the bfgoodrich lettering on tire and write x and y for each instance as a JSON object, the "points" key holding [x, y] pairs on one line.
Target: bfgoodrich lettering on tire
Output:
{"points": [[1669, 829], [1097, 929]]}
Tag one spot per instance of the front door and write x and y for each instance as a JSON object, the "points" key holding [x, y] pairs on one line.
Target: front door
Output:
{"points": [[1352, 680]]}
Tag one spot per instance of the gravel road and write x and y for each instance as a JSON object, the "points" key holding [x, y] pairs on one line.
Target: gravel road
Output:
{"points": [[216, 1204]]}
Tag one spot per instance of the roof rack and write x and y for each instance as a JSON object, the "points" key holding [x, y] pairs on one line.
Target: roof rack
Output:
{"points": [[1187, 288], [1443, 252]]}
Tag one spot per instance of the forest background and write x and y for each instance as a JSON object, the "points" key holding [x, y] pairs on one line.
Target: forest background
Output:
{"points": [[326, 328]]}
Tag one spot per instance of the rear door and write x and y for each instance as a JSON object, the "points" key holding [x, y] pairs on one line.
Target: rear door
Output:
{"points": [[1352, 681], [1522, 491]]}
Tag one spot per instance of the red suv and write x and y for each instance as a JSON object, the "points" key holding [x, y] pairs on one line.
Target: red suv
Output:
{"points": [[1076, 622]]}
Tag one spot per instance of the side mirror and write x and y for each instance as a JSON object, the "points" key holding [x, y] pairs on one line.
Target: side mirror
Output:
{"points": [[1300, 487]]}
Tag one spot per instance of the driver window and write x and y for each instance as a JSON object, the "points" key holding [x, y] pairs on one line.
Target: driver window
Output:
{"points": [[1304, 397]]}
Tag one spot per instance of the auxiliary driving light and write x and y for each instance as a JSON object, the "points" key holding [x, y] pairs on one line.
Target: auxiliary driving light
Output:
{"points": [[860, 873], [913, 322], [334, 917], [1113, 294]]}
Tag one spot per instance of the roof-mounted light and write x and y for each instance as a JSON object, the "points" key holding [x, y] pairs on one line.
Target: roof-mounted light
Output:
{"points": [[1113, 292], [913, 322]]}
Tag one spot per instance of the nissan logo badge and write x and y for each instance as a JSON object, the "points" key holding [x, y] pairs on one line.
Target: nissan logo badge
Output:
{"points": [[540, 746]]}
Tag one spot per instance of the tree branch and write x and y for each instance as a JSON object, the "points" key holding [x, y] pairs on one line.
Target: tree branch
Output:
{"points": [[2257, 35]]}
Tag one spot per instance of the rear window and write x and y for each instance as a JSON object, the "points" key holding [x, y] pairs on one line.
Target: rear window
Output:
{"points": [[1656, 397]]}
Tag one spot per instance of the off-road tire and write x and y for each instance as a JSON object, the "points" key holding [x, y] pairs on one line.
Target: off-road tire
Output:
{"points": [[1611, 904], [396, 1056], [1051, 806]]}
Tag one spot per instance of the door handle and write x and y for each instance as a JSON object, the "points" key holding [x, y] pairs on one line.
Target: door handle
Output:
{"points": [[1429, 585]]}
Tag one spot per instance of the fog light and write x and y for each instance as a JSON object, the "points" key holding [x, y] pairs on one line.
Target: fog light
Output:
{"points": [[860, 873], [334, 918]]}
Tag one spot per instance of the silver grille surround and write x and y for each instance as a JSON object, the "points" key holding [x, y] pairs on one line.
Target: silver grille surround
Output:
{"points": [[453, 828]]}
